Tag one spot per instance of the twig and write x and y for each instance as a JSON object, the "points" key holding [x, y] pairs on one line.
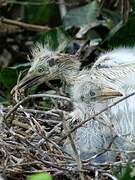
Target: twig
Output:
{"points": [[78, 160], [110, 176], [96, 114], [27, 26], [62, 7], [125, 9], [35, 96], [20, 124], [69, 4], [40, 152], [53, 130], [35, 111], [38, 111]]}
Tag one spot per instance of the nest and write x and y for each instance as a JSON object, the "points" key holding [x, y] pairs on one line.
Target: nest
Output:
{"points": [[32, 138]]}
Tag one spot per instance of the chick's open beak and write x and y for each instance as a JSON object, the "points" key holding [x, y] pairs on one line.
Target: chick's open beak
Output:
{"points": [[108, 93], [27, 82]]}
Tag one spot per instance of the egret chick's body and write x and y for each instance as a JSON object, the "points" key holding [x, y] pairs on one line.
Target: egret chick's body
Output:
{"points": [[117, 73], [95, 135]]}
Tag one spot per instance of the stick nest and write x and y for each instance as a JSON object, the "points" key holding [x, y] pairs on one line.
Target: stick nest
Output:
{"points": [[32, 138]]}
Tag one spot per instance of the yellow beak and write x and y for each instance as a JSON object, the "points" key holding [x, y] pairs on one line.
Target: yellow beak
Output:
{"points": [[108, 93]]}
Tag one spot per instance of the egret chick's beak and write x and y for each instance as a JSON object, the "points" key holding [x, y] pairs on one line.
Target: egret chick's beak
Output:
{"points": [[108, 93], [27, 82]]}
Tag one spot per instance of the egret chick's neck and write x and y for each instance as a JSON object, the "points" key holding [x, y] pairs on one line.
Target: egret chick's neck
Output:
{"points": [[68, 73], [70, 76]]}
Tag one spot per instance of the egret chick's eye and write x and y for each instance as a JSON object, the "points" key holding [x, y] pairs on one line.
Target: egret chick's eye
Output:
{"points": [[92, 93], [41, 69]]}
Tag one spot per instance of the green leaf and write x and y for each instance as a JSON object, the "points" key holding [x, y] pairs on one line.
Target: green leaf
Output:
{"points": [[8, 78], [4, 101], [54, 38], [40, 176], [41, 12], [133, 5], [127, 173], [125, 35], [112, 18], [81, 16], [113, 32]]}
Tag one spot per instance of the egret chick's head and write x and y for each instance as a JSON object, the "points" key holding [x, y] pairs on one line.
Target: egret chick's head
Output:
{"points": [[89, 91], [48, 65]]}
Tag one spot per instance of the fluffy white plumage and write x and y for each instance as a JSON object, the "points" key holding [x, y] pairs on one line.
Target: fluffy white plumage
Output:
{"points": [[116, 57], [115, 69]]}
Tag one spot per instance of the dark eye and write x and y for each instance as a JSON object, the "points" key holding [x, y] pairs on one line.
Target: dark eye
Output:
{"points": [[41, 69], [92, 93]]}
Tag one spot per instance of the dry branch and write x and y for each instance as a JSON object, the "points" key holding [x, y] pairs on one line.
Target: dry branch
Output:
{"points": [[35, 96], [30, 27]]}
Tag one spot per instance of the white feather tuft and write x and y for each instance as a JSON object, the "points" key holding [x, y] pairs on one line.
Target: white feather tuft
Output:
{"points": [[41, 50]]}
